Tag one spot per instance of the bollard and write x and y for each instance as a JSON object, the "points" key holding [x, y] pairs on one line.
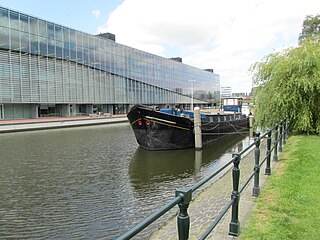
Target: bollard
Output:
{"points": [[284, 131], [197, 128], [234, 226], [256, 188], [275, 156], [280, 136], [183, 220], [250, 121], [268, 169]]}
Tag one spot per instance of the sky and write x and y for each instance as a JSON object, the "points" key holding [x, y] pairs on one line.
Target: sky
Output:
{"points": [[227, 36]]}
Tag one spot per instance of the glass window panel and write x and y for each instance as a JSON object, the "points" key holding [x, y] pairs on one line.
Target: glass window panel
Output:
{"points": [[73, 52], [66, 52], [66, 35], [4, 34], [79, 54], [58, 32], [24, 23], [79, 38], [33, 25], [24, 41], [59, 49], [15, 40], [51, 49], [14, 20], [85, 40], [72, 36], [42, 28], [91, 43], [97, 60], [4, 17], [85, 56], [91, 58], [50, 31], [34, 44], [43, 46]]}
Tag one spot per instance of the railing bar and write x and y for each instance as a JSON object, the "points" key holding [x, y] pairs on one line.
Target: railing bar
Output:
{"points": [[252, 144], [247, 182], [203, 181], [247, 148], [262, 162], [263, 135], [151, 218], [217, 219]]}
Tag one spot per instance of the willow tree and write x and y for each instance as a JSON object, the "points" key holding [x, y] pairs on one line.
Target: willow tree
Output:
{"points": [[310, 28], [288, 85]]}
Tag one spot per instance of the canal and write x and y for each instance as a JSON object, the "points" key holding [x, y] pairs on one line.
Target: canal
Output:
{"points": [[92, 182]]}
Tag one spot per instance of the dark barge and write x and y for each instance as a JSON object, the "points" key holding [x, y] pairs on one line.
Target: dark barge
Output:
{"points": [[168, 129]]}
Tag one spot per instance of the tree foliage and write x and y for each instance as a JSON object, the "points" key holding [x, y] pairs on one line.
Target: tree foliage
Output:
{"points": [[310, 28], [289, 86]]}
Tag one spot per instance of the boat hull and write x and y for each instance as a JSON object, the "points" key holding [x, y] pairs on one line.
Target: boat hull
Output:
{"points": [[155, 130]]}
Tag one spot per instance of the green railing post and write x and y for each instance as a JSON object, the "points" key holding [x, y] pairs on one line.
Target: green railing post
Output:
{"points": [[280, 136], [268, 169], [284, 131], [234, 226], [275, 156], [256, 188], [183, 217]]}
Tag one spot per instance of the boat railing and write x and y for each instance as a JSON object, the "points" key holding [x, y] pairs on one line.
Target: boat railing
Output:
{"points": [[183, 196]]}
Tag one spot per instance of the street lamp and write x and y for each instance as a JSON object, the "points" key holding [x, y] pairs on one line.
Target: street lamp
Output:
{"points": [[192, 82]]}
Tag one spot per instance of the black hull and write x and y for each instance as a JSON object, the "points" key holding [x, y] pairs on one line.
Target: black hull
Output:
{"points": [[155, 130]]}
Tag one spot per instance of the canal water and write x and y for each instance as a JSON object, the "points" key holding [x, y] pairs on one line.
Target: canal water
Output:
{"points": [[92, 182]]}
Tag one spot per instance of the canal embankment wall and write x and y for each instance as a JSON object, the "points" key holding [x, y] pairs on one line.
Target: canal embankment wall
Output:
{"points": [[20, 125]]}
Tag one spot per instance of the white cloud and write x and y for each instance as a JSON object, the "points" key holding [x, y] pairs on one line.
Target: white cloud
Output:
{"points": [[96, 13], [227, 36]]}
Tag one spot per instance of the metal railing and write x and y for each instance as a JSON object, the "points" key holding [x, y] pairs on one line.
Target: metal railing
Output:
{"points": [[183, 196]]}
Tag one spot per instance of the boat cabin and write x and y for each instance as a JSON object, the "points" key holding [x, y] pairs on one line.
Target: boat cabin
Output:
{"points": [[232, 104]]}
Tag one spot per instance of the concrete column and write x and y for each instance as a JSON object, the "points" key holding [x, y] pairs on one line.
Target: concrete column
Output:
{"points": [[197, 128], [89, 109], [63, 110], [34, 110], [110, 108], [104, 108]]}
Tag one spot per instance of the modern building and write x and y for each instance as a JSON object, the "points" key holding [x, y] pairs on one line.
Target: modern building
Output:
{"points": [[47, 69]]}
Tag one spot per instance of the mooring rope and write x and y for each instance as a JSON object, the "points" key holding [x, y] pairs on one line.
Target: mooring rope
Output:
{"points": [[235, 128], [210, 129], [230, 133]]}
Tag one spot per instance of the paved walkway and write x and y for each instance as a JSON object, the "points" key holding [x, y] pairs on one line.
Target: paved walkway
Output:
{"points": [[207, 205], [14, 125], [49, 119]]}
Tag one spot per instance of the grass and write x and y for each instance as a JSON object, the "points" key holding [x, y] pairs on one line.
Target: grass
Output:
{"points": [[289, 207]]}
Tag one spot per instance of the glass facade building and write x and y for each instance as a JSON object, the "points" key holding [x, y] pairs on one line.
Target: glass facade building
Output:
{"points": [[48, 69]]}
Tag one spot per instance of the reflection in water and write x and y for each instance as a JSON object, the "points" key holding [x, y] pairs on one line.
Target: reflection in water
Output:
{"points": [[92, 182], [148, 168], [197, 161]]}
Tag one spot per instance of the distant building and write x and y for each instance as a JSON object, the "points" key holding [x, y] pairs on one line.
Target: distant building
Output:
{"points": [[244, 94], [50, 70], [225, 92]]}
